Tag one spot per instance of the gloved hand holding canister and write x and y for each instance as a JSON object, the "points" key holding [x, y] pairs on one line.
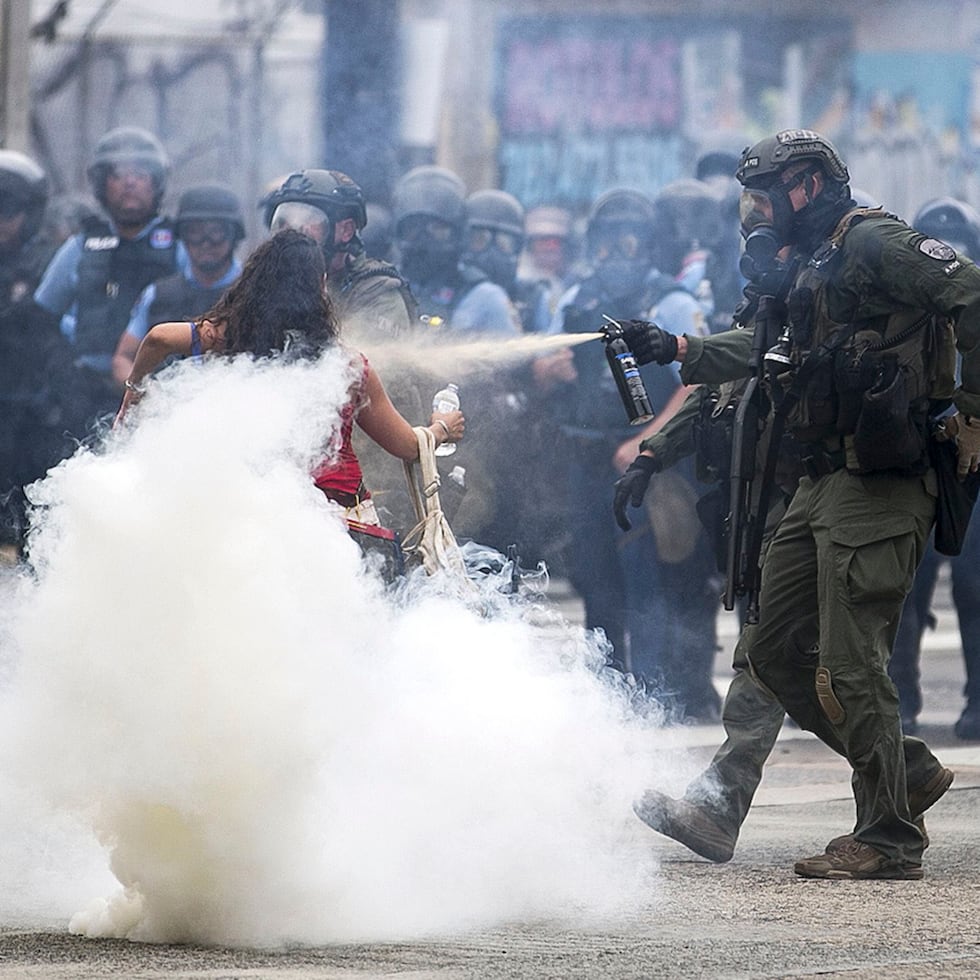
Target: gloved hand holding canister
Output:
{"points": [[965, 432], [649, 343], [632, 485]]}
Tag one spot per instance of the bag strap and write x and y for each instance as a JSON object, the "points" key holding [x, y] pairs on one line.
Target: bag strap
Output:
{"points": [[431, 541]]}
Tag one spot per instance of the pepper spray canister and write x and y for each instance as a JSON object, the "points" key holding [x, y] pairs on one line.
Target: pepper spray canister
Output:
{"points": [[626, 373]]}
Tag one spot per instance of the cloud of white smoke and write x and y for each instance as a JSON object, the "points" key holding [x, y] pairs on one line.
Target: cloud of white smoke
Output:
{"points": [[204, 691]]}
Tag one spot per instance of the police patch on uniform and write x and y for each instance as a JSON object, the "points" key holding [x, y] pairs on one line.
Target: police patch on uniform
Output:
{"points": [[161, 238], [936, 249], [100, 243]]}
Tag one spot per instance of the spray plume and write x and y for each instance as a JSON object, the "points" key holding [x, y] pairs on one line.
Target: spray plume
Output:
{"points": [[479, 356]]}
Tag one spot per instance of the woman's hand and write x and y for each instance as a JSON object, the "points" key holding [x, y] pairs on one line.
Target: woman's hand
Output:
{"points": [[447, 426], [131, 395]]}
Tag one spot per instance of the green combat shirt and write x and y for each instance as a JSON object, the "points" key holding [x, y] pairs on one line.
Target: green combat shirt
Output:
{"points": [[883, 267]]}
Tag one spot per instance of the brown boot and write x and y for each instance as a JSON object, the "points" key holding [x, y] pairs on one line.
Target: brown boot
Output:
{"points": [[856, 860], [922, 797], [687, 824]]}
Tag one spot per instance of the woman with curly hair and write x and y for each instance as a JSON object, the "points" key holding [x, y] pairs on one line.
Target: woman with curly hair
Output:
{"points": [[279, 305]]}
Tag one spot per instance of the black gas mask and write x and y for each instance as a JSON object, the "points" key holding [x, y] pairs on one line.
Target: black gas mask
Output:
{"points": [[428, 248], [495, 252], [620, 254], [768, 220]]}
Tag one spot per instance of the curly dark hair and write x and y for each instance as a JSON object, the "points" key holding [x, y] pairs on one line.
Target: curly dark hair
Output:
{"points": [[278, 301]]}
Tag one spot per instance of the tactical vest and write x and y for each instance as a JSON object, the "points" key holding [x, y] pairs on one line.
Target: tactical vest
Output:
{"points": [[906, 354], [367, 268], [112, 272], [178, 299]]}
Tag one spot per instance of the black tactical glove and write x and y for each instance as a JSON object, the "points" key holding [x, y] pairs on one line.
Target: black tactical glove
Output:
{"points": [[631, 486], [648, 342]]}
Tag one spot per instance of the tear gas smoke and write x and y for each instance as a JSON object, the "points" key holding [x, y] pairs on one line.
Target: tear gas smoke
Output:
{"points": [[203, 690]]}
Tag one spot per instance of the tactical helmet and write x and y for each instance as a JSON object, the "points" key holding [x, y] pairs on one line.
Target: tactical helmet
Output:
{"points": [[768, 157], [621, 206], [333, 192], [494, 235], [952, 221], [23, 181], [495, 209], [619, 240], [432, 191], [129, 144], [211, 202]]}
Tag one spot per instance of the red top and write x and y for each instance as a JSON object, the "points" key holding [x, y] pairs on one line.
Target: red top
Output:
{"points": [[341, 472]]}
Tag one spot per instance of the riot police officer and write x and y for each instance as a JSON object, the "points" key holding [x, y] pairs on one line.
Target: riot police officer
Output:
{"points": [[871, 312], [494, 241], [96, 276], [958, 225], [28, 346], [629, 585], [429, 206], [371, 299], [209, 224]]}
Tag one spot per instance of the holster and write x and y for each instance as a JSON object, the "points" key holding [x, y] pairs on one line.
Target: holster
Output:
{"points": [[954, 505]]}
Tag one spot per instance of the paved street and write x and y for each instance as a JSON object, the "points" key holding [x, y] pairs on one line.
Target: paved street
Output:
{"points": [[750, 918]]}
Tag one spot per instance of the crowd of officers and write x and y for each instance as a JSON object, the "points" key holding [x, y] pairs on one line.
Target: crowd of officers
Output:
{"points": [[547, 436], [80, 287]]}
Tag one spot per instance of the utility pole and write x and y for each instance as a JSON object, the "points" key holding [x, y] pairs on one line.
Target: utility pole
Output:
{"points": [[15, 50]]}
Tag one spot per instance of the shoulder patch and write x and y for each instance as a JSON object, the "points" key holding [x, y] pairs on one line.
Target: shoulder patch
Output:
{"points": [[936, 249], [161, 238]]}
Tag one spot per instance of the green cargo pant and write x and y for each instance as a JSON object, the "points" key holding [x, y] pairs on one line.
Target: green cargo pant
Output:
{"points": [[846, 552], [752, 719]]}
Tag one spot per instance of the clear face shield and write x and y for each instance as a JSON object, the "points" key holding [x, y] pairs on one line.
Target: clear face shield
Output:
{"points": [[305, 218]]}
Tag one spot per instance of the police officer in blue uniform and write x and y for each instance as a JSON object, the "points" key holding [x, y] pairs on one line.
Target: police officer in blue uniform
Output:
{"points": [[96, 276]]}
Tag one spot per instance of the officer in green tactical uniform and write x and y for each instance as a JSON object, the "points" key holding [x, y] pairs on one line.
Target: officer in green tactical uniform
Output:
{"points": [[371, 299], [708, 817], [872, 316]]}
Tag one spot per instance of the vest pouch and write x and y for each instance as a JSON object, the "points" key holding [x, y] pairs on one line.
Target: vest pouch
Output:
{"points": [[815, 417], [713, 431], [886, 437], [856, 370]]}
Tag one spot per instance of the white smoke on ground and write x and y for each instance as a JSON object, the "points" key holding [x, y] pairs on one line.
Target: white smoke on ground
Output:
{"points": [[203, 691]]}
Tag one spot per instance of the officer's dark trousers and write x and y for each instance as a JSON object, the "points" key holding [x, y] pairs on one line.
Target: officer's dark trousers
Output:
{"points": [[595, 568], [846, 552]]}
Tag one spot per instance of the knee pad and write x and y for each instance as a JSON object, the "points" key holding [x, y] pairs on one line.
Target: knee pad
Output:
{"points": [[832, 708]]}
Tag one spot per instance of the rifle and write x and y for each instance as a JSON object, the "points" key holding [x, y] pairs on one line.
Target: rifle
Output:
{"points": [[750, 490]]}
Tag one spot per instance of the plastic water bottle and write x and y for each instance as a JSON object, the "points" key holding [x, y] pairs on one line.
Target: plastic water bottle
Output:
{"points": [[446, 400]]}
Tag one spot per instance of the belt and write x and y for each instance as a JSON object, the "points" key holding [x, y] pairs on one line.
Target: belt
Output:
{"points": [[346, 499], [818, 460]]}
